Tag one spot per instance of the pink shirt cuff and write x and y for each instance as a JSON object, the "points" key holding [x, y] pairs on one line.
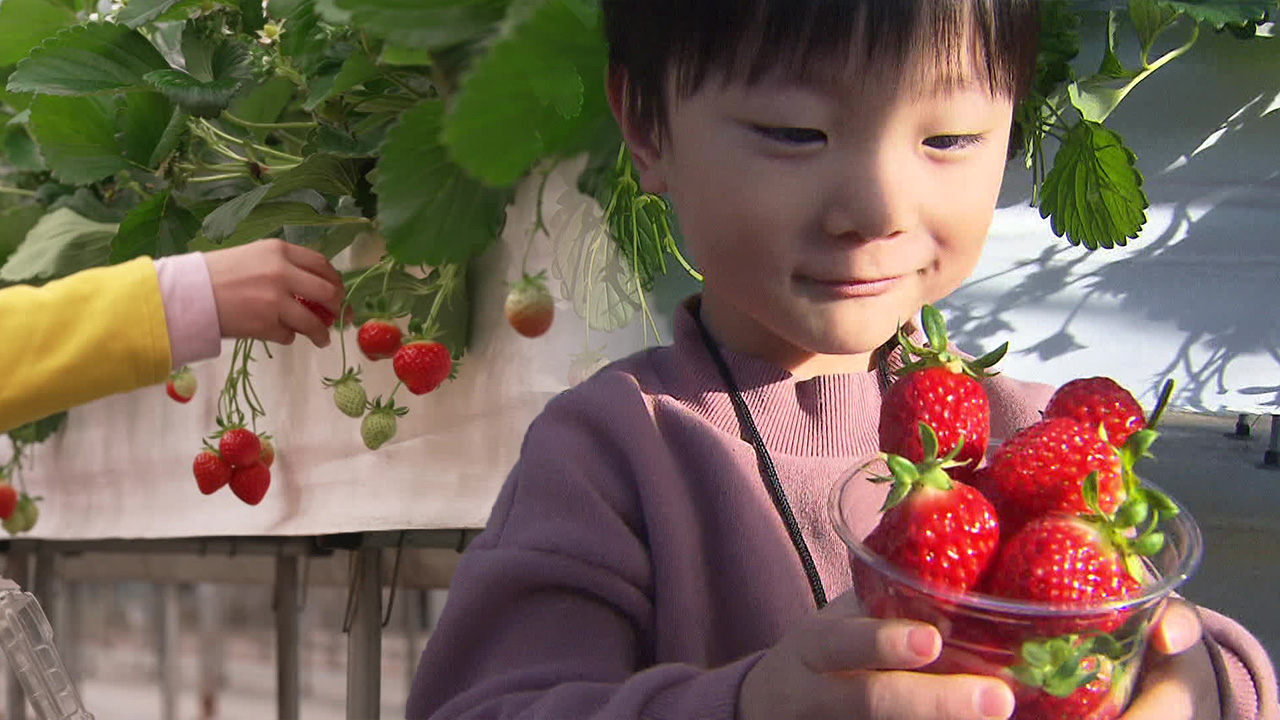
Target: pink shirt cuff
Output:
{"points": [[1246, 675], [190, 312]]}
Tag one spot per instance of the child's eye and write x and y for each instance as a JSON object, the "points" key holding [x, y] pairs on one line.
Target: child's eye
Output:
{"points": [[952, 142], [791, 135]]}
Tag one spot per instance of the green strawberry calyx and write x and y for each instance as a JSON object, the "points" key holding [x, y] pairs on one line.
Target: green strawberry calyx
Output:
{"points": [[1061, 665], [907, 476], [1121, 529], [939, 354]]}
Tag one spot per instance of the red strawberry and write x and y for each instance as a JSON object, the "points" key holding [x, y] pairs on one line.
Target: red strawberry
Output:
{"points": [[8, 501], [1041, 469], [942, 530], [422, 365], [320, 311], [182, 385], [379, 339], [1068, 562], [530, 307], [1099, 401], [211, 471], [240, 447], [939, 388], [250, 483]]}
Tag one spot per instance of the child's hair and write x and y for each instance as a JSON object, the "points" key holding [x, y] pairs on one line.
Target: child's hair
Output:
{"points": [[654, 41]]}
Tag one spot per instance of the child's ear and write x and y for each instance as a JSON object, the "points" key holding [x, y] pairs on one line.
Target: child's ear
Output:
{"points": [[641, 141]]}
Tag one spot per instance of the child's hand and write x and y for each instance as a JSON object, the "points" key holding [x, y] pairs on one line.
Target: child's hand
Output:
{"points": [[840, 665], [254, 287], [1178, 680]]}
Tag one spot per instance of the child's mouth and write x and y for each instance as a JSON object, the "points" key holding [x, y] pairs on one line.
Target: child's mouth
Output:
{"points": [[849, 288]]}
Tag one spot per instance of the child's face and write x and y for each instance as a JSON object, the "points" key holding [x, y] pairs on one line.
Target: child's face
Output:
{"points": [[822, 217]]}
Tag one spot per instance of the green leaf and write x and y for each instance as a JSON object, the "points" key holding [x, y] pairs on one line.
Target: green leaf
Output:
{"points": [[88, 59], [430, 24], [329, 11], [1148, 545], [1150, 18], [14, 224], [325, 174], [77, 137], [1222, 13], [398, 55], [356, 70], [1093, 194], [935, 327], [430, 211], [140, 12], [1111, 65], [39, 430], [264, 103], [268, 218], [19, 150], [155, 228], [201, 99], [25, 23], [252, 18], [61, 243], [150, 128], [536, 92]]}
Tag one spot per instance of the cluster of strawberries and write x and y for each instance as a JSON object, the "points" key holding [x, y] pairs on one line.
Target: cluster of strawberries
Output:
{"points": [[1058, 516]]}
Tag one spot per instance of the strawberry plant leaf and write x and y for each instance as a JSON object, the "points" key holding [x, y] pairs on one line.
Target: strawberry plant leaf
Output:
{"points": [[201, 99], [537, 92], [88, 59], [430, 211], [935, 327], [325, 174], [157, 227], [18, 149], [268, 218], [150, 128], [25, 23], [141, 12], [77, 137], [430, 24], [59, 244], [1222, 13], [1150, 18], [15, 222], [1093, 194], [252, 18]]}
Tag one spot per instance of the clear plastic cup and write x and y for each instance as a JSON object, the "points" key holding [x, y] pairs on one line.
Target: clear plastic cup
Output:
{"points": [[988, 635]]}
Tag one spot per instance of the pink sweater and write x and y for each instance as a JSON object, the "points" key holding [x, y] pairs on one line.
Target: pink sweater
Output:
{"points": [[634, 565]]}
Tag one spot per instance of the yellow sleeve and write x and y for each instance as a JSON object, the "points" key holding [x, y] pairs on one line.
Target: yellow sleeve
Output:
{"points": [[96, 333]]}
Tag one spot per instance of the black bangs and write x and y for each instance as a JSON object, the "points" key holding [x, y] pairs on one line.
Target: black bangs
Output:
{"points": [[811, 41]]}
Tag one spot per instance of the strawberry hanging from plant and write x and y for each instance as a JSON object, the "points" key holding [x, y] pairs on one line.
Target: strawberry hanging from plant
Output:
{"points": [[529, 307], [242, 456], [182, 385], [940, 388]]}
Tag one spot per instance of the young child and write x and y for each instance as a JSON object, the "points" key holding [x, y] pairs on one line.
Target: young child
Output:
{"points": [[835, 165], [114, 329]]}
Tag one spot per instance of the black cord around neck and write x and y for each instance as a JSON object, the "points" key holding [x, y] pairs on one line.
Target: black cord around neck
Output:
{"points": [[767, 470]]}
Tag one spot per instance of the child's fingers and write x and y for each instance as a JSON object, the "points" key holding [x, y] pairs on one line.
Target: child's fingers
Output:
{"points": [[900, 695], [844, 643], [316, 289], [298, 318], [314, 263], [1177, 629]]}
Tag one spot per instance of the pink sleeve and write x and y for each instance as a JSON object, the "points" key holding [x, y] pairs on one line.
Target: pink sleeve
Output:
{"points": [[1246, 676], [190, 313]]}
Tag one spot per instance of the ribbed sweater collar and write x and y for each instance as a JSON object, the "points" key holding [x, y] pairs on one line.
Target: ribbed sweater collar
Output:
{"points": [[824, 416]]}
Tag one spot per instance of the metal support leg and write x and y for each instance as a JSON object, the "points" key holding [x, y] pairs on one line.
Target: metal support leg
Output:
{"points": [[209, 617], [1243, 429], [364, 643], [18, 569], [288, 695], [1271, 457], [166, 610]]}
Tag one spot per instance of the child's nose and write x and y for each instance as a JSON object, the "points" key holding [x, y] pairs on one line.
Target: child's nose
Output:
{"points": [[870, 198]]}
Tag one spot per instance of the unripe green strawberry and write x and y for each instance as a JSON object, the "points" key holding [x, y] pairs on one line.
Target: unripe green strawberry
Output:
{"points": [[24, 516], [379, 425], [350, 397], [348, 393]]}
